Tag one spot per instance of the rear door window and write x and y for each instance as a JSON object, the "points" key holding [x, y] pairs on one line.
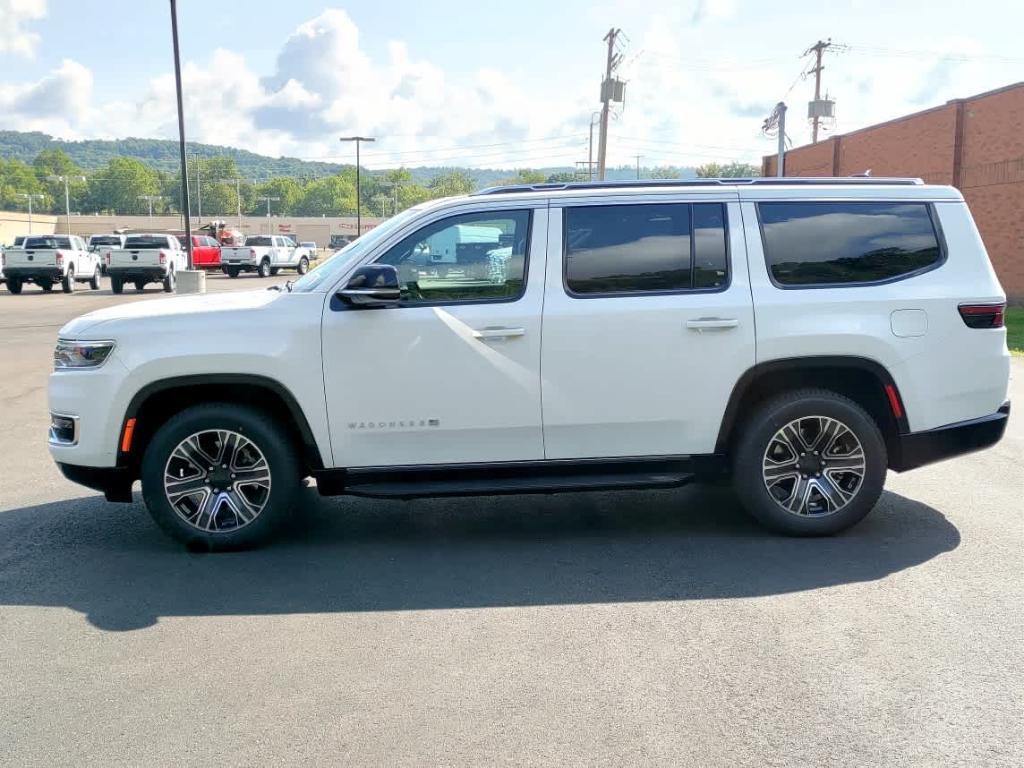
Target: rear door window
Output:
{"points": [[843, 243]]}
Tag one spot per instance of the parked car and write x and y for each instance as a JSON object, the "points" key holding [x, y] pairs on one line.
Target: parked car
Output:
{"points": [[205, 251], [146, 258], [338, 242], [48, 259], [266, 255], [102, 245], [311, 247], [879, 344]]}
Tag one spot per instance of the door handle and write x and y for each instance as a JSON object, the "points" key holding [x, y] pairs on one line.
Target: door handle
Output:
{"points": [[486, 334], [702, 324]]}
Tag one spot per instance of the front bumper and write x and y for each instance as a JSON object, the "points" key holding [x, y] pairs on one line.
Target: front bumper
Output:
{"points": [[919, 448], [114, 482]]}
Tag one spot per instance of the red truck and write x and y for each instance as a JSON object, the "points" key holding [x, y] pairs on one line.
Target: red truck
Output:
{"points": [[205, 251]]}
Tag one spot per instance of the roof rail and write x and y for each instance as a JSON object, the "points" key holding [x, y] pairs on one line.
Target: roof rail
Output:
{"points": [[766, 181]]}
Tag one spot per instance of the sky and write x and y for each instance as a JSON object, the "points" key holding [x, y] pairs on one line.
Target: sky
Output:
{"points": [[490, 84]]}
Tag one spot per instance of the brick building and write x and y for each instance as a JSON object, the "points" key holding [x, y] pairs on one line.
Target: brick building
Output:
{"points": [[976, 144]]}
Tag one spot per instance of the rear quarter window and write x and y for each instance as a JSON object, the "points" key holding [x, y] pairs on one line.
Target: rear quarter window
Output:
{"points": [[809, 244]]}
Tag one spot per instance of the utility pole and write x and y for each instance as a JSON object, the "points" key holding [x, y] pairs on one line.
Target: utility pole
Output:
{"points": [[199, 191], [607, 93], [775, 125], [149, 199], [29, 197], [181, 135], [638, 166], [817, 49], [359, 207], [67, 195], [590, 152], [268, 201]]}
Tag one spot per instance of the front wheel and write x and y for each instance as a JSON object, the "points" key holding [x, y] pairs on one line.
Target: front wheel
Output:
{"points": [[809, 463], [303, 267], [169, 281], [67, 283], [220, 476], [94, 282]]}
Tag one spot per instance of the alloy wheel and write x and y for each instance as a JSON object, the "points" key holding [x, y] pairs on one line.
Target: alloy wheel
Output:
{"points": [[813, 466]]}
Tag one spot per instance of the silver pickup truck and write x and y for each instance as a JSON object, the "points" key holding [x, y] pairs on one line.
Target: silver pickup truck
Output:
{"points": [[266, 255]]}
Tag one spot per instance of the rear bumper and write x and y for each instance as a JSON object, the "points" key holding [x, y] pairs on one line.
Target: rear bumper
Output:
{"points": [[919, 448], [137, 273], [32, 273], [114, 482]]}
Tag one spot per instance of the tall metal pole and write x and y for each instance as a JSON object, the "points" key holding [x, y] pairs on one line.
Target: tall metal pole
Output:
{"points": [[638, 167], [590, 151], [359, 206], [29, 196], [181, 135], [780, 165], [238, 199], [67, 205], [199, 192], [606, 98]]}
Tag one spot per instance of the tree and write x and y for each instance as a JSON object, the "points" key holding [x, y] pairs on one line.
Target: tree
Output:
{"points": [[732, 170], [289, 190], [330, 196], [117, 187], [562, 177], [453, 182], [523, 176], [665, 172], [15, 178]]}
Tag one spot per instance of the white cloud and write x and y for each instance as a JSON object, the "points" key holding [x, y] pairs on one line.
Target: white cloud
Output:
{"points": [[61, 99], [14, 14]]}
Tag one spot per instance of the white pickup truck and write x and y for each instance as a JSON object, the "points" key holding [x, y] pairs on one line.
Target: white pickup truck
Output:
{"points": [[102, 245], [48, 259], [265, 255], [146, 258]]}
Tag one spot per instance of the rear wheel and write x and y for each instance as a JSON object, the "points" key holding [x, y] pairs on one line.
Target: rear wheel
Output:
{"points": [[14, 285], [220, 476], [94, 282], [46, 285], [265, 268], [303, 267], [809, 463], [231, 271], [169, 281], [67, 283]]}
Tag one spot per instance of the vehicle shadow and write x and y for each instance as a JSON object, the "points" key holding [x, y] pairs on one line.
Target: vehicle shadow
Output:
{"points": [[343, 555]]}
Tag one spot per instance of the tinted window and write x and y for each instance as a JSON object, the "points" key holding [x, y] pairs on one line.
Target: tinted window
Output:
{"points": [[105, 240], [47, 243], [827, 243], [628, 248], [710, 260], [145, 242], [257, 241], [474, 257]]}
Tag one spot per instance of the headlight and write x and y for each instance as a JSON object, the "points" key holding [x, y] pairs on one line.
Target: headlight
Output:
{"points": [[81, 354]]}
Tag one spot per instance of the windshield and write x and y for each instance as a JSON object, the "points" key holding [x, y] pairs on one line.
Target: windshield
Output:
{"points": [[47, 242], [336, 264]]}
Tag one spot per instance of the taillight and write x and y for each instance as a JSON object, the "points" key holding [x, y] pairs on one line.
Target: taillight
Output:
{"points": [[60, 259], [983, 315], [163, 257], [252, 251]]}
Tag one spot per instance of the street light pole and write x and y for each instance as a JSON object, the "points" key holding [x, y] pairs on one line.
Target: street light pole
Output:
{"points": [[359, 206], [149, 199], [590, 152], [181, 136], [67, 195], [29, 197]]}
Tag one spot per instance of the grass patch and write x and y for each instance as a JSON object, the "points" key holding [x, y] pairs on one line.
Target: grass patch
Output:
{"points": [[1015, 329]]}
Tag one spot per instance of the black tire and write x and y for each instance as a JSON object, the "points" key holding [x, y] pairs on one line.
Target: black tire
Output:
{"points": [[45, 285], [67, 283], [140, 285], [14, 285], [269, 437], [231, 271], [274, 271], [758, 435], [94, 281], [303, 267], [169, 281], [116, 285], [264, 268]]}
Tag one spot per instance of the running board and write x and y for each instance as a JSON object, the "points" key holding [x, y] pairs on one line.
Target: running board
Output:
{"points": [[512, 478]]}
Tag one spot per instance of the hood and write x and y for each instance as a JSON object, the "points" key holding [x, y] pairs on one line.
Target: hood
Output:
{"points": [[95, 324]]}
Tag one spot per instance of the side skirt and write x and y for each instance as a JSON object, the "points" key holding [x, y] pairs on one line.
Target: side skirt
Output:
{"points": [[558, 476]]}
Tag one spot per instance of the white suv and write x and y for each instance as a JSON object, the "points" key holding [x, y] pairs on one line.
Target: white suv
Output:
{"points": [[801, 334]]}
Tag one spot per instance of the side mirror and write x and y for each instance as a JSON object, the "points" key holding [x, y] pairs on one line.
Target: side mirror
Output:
{"points": [[373, 285]]}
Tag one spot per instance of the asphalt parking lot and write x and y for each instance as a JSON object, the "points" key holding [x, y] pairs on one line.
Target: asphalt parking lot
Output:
{"points": [[659, 628]]}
